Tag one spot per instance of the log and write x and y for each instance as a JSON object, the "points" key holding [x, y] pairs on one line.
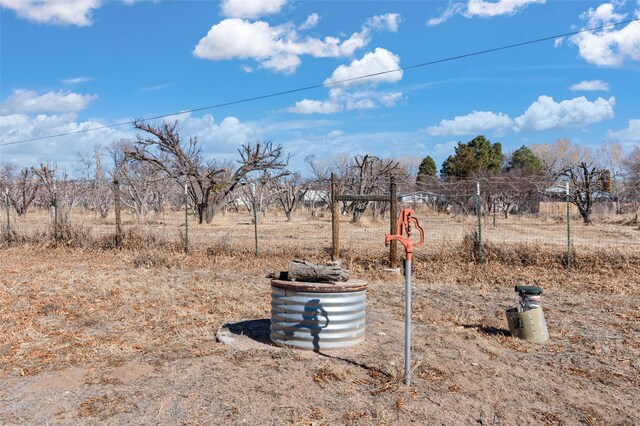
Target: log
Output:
{"points": [[299, 270]]}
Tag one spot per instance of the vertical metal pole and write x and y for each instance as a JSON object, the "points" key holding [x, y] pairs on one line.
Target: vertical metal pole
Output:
{"points": [[6, 196], [186, 220], [255, 215], [407, 323], [335, 220], [393, 217], [55, 214], [568, 229], [116, 199], [494, 214], [479, 210]]}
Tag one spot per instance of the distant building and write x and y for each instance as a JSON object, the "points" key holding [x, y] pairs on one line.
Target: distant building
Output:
{"points": [[420, 197]]}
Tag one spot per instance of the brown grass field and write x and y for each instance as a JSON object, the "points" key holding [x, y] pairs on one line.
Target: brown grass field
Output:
{"points": [[91, 334]]}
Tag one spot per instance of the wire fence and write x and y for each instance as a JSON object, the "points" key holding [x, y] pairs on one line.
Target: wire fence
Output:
{"points": [[466, 216]]}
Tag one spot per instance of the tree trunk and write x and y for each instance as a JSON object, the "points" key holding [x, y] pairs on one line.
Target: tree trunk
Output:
{"points": [[201, 209]]}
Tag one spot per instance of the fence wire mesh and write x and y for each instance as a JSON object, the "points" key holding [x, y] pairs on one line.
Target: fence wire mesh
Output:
{"points": [[448, 213]]}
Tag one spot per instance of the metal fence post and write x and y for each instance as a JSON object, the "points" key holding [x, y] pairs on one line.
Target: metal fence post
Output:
{"points": [[479, 211], [6, 196], [335, 220], [494, 214], [55, 214], [393, 218], [186, 220], [255, 216], [568, 229], [116, 198]]}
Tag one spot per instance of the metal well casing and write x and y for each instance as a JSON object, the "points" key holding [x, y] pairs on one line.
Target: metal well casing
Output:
{"points": [[529, 325], [318, 316]]}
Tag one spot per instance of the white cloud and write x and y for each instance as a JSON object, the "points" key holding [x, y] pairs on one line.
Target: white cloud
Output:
{"points": [[251, 9], [237, 38], [603, 14], [219, 140], [76, 80], [475, 122], [59, 12], [357, 94], [486, 9], [608, 46], [286, 64], [388, 22], [365, 99], [453, 9], [591, 85], [345, 100], [378, 61], [482, 9], [63, 150], [630, 135], [547, 114], [60, 101], [311, 22], [543, 114], [279, 48], [310, 106]]}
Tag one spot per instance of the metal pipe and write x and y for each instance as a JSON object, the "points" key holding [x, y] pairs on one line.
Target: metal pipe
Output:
{"points": [[494, 214], [479, 211], [393, 217], [255, 215], [407, 323], [186, 220], [335, 219], [6, 195], [568, 229]]}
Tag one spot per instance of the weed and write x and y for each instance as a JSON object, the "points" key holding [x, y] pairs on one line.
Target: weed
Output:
{"points": [[329, 373]]}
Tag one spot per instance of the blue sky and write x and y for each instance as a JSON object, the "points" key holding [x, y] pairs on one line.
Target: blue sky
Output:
{"points": [[73, 65]]}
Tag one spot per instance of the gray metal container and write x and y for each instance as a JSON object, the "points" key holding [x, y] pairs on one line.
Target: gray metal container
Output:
{"points": [[318, 316], [529, 325]]}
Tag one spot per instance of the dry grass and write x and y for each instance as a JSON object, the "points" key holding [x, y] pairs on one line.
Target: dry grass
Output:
{"points": [[83, 303], [114, 305], [102, 309]]}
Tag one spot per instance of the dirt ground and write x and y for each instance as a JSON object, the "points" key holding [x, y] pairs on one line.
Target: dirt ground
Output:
{"points": [[114, 337]]}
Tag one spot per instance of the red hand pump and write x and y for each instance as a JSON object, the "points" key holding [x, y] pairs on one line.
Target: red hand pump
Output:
{"points": [[403, 234]]}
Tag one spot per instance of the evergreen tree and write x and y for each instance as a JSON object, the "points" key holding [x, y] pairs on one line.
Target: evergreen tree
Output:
{"points": [[525, 159], [427, 168], [478, 155]]}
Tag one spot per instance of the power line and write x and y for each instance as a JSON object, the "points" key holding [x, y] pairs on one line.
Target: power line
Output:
{"points": [[332, 83]]}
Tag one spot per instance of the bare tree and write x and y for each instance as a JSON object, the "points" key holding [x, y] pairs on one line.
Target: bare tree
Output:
{"points": [[319, 184], [631, 164], [22, 187], [611, 155], [368, 174], [97, 194], [557, 156], [289, 191], [586, 186], [210, 183], [589, 177], [57, 190]]}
